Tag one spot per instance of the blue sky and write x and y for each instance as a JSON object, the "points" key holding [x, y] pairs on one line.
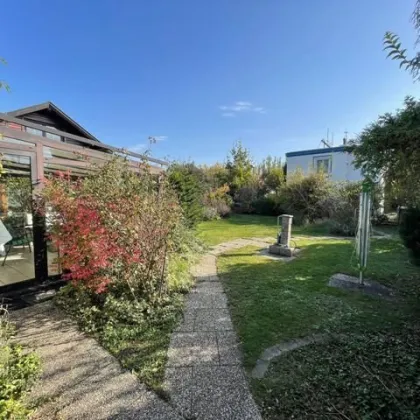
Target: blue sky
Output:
{"points": [[201, 74]]}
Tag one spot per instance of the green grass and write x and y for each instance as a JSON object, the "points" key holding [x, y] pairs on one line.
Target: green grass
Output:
{"points": [[247, 226], [274, 301]]}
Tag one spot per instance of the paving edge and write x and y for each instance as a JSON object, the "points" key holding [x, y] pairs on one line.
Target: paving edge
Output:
{"points": [[270, 353]]}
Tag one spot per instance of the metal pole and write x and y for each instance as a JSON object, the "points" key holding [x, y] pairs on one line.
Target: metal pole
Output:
{"points": [[363, 231]]}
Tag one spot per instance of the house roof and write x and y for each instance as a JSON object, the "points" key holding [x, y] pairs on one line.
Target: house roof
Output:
{"points": [[317, 151], [49, 106]]}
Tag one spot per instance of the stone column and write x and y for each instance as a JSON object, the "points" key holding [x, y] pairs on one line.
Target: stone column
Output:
{"points": [[286, 230]]}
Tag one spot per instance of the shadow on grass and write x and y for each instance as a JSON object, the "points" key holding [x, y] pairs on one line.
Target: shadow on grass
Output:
{"points": [[272, 301], [252, 219]]}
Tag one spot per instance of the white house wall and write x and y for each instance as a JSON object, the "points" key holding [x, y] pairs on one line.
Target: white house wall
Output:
{"points": [[342, 168]]}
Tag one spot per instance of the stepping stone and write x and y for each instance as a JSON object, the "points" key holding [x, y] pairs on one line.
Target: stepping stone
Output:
{"points": [[372, 288]]}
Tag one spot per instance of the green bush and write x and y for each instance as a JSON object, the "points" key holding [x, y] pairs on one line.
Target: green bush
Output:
{"points": [[217, 203], [273, 178], [187, 180], [187, 249], [267, 206], [303, 196], [18, 372], [341, 206], [245, 196], [210, 213], [410, 232]]}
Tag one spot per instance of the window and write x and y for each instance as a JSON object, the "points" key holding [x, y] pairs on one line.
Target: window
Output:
{"points": [[323, 164], [34, 131], [52, 136]]}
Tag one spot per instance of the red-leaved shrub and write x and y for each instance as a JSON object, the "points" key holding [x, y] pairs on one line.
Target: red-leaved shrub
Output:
{"points": [[113, 228]]}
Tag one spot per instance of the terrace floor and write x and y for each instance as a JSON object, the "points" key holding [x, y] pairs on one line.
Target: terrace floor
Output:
{"points": [[19, 266]]}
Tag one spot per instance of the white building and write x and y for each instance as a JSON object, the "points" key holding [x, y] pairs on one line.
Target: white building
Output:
{"points": [[333, 160]]}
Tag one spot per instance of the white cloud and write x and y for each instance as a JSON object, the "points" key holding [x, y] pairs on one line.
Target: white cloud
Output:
{"points": [[243, 103], [240, 106]]}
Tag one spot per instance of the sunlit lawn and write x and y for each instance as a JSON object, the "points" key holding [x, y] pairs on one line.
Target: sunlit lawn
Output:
{"points": [[247, 226], [274, 301]]}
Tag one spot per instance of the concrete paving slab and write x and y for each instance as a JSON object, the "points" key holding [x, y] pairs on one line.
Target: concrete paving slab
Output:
{"points": [[187, 323], [218, 386], [191, 349], [229, 350], [212, 320], [369, 287], [199, 301], [208, 287], [221, 376], [219, 301], [216, 403], [179, 382]]}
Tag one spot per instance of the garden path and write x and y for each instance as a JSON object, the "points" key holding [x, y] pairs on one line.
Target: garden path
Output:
{"points": [[81, 380], [204, 374]]}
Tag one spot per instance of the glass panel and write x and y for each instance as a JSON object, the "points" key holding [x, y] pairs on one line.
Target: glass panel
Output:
{"points": [[34, 131], [51, 135], [23, 143], [53, 254], [16, 246], [323, 165]]}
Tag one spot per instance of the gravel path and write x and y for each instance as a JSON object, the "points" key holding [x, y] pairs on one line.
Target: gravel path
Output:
{"points": [[81, 380], [204, 374]]}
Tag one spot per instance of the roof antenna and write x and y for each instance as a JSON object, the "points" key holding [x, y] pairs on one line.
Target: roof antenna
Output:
{"points": [[345, 137], [327, 143]]}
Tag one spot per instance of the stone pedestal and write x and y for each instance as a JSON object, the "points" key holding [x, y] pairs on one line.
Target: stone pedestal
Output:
{"points": [[283, 248], [286, 230]]}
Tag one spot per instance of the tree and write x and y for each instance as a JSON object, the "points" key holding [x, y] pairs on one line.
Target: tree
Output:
{"points": [[390, 147], [272, 175], [273, 179], [239, 166], [392, 43]]}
